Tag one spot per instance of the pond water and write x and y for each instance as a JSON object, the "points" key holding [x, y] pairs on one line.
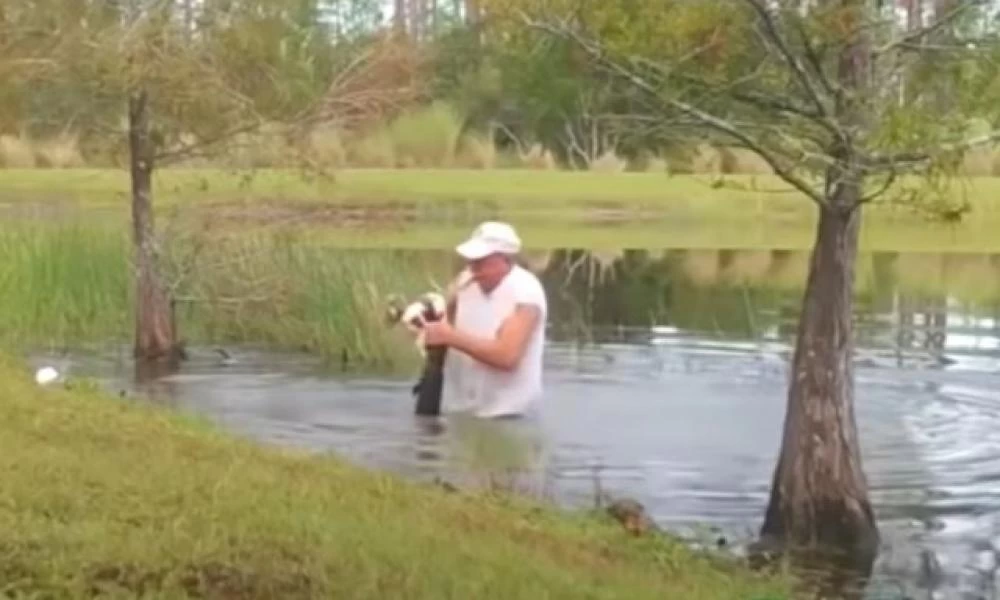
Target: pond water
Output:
{"points": [[665, 381]]}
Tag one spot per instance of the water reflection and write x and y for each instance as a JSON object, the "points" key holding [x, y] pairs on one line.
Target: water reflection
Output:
{"points": [[755, 294], [678, 400]]}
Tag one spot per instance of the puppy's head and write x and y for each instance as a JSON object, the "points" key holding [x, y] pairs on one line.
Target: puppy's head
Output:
{"points": [[434, 306], [427, 308]]}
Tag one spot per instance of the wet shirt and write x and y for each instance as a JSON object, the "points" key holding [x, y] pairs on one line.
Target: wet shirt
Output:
{"points": [[470, 385]]}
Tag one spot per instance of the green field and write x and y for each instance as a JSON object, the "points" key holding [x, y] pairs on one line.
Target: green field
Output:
{"points": [[104, 495], [522, 188], [435, 208]]}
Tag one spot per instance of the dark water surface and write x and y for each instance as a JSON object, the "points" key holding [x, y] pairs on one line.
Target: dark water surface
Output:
{"points": [[665, 381]]}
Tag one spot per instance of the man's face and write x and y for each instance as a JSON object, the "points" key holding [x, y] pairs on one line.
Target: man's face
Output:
{"points": [[489, 271]]}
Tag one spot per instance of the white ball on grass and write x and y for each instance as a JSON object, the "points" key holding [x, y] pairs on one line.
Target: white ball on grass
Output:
{"points": [[46, 375]]}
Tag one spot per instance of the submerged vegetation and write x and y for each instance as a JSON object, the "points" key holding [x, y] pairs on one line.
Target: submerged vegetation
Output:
{"points": [[134, 500]]}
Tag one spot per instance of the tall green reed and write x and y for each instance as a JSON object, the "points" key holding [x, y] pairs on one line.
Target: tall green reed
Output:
{"points": [[67, 285], [285, 292], [62, 282]]}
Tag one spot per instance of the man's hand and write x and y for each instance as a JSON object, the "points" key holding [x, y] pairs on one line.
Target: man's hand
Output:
{"points": [[438, 333]]}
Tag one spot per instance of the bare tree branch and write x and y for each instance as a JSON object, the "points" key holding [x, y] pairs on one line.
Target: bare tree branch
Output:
{"points": [[753, 98], [705, 118], [773, 38], [886, 185], [815, 61], [958, 46], [918, 34], [572, 144], [495, 124], [191, 149], [772, 33], [373, 86], [750, 98], [914, 158]]}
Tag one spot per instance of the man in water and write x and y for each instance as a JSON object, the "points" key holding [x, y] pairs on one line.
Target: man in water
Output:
{"points": [[496, 333]]}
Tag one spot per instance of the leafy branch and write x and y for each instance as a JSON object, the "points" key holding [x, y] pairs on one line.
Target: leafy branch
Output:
{"points": [[633, 74], [910, 39], [916, 158]]}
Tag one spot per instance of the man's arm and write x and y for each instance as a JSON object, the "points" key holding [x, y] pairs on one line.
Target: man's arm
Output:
{"points": [[503, 352]]}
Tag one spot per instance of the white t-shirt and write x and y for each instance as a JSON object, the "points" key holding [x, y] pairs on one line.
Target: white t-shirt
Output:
{"points": [[470, 385]]}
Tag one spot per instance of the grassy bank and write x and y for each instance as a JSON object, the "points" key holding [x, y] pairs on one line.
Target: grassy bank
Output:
{"points": [[72, 284], [102, 494], [428, 208], [516, 190], [673, 233], [523, 188]]}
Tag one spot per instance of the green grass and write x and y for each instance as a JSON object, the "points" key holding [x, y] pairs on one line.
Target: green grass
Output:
{"points": [[524, 187], [71, 284], [102, 495], [676, 234], [435, 208], [65, 283]]}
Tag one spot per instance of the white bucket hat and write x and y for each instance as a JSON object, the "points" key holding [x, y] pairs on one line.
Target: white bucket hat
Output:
{"points": [[491, 237]]}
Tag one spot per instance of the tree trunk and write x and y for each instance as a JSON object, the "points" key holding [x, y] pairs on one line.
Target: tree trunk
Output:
{"points": [[432, 8], [154, 330], [418, 19], [188, 19], [819, 494], [472, 12], [399, 16]]}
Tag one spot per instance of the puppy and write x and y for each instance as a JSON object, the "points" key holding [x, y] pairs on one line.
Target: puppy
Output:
{"points": [[429, 307]]}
